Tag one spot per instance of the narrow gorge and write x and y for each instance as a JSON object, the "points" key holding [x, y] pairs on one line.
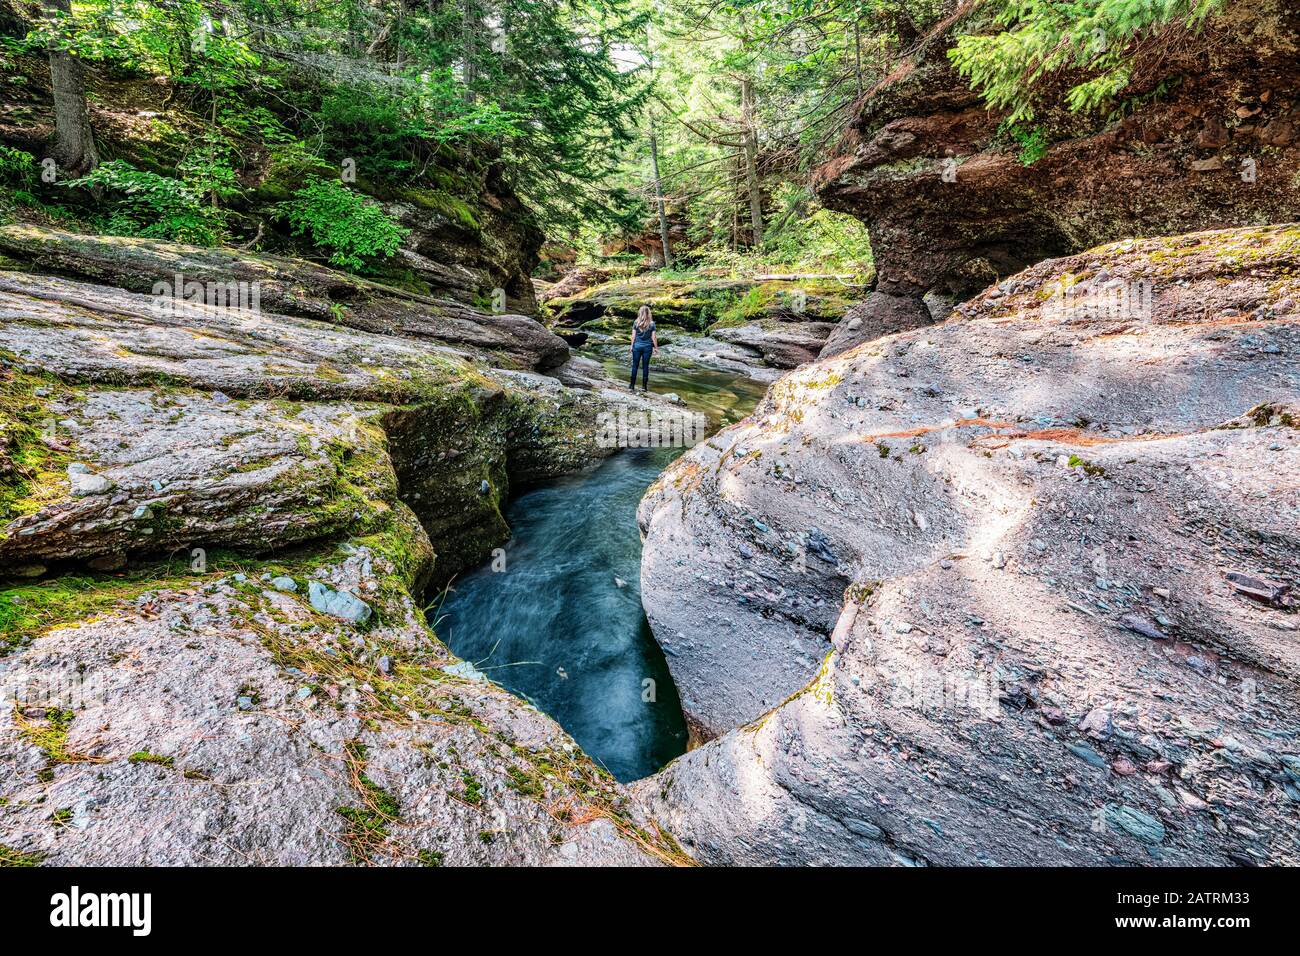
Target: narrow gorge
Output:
{"points": [[333, 533]]}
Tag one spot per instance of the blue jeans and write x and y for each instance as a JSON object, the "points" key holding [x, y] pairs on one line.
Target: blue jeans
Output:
{"points": [[641, 360]]}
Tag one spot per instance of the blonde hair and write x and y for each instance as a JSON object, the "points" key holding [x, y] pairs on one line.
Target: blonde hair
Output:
{"points": [[643, 319]]}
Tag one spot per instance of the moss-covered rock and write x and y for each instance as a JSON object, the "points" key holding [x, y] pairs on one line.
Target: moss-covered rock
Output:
{"points": [[290, 737], [696, 304]]}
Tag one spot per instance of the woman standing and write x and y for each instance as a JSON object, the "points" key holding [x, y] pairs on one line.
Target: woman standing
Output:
{"points": [[644, 344]]}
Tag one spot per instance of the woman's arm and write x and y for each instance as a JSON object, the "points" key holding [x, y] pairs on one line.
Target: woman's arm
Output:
{"points": [[654, 340]]}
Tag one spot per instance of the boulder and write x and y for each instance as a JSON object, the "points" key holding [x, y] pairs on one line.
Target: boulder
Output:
{"points": [[468, 233], [980, 592], [708, 351], [179, 469], [573, 282], [783, 345]]}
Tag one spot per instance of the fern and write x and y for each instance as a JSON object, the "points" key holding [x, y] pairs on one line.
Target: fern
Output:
{"points": [[1032, 141]]}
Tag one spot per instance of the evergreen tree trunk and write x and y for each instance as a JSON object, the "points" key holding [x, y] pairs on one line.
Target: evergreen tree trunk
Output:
{"points": [[751, 160], [74, 141], [470, 26], [659, 194]]}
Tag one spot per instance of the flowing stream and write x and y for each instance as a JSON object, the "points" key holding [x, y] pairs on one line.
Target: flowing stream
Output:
{"points": [[561, 624]]}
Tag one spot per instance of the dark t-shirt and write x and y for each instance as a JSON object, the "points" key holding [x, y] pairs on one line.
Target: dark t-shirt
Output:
{"points": [[640, 339]]}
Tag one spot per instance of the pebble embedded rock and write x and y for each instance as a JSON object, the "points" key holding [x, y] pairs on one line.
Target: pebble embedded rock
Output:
{"points": [[339, 604], [85, 482]]}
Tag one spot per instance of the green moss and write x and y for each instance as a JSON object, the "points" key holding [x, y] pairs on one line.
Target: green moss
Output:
{"points": [[367, 825], [50, 734], [750, 305], [287, 171], [29, 610], [445, 203], [1088, 467], [15, 858], [473, 792], [144, 756], [257, 463], [429, 857], [861, 592], [406, 558], [1266, 415], [34, 454], [364, 479], [1203, 253], [528, 784]]}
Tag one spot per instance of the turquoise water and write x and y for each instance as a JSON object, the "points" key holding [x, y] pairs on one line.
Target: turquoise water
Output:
{"points": [[561, 625]]}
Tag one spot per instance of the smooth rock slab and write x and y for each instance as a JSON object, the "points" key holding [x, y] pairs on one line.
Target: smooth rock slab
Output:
{"points": [[258, 770], [959, 663], [174, 469]]}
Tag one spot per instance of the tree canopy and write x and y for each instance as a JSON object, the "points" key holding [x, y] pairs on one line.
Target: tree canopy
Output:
{"points": [[600, 112]]}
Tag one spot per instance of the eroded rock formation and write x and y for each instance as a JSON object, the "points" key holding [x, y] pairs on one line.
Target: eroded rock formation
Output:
{"points": [[284, 285], [1012, 589], [1210, 137], [220, 525]]}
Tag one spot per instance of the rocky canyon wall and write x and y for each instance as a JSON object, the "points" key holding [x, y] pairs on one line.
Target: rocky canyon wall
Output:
{"points": [[1206, 136], [1016, 588]]}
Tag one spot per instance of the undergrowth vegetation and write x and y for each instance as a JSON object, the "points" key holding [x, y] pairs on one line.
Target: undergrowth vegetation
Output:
{"points": [[351, 228]]}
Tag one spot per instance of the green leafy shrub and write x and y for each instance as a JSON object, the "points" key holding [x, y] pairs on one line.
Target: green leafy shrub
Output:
{"points": [[17, 168], [354, 230], [153, 206], [208, 169]]}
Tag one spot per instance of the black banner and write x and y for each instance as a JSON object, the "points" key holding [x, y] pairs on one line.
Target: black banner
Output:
{"points": [[143, 906]]}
